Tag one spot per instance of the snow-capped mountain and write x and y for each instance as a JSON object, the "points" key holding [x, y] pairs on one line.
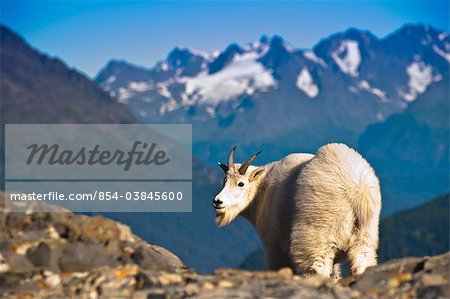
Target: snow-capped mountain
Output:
{"points": [[268, 92]]}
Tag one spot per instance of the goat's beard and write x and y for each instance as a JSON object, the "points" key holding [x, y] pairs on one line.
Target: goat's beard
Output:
{"points": [[227, 216]]}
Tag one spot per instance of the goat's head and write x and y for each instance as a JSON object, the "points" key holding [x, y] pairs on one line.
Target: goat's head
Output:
{"points": [[240, 186]]}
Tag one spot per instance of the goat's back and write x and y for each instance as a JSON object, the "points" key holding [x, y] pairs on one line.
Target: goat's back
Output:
{"points": [[336, 190]]}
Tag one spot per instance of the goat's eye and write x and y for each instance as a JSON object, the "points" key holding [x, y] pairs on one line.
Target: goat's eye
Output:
{"points": [[241, 184]]}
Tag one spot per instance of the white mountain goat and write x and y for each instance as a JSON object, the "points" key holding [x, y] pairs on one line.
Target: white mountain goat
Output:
{"points": [[311, 211]]}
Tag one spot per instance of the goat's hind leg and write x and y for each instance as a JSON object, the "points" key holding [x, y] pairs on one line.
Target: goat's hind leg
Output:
{"points": [[320, 264], [312, 254], [362, 254]]}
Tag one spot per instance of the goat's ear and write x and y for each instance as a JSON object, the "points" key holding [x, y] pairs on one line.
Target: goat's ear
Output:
{"points": [[255, 174]]}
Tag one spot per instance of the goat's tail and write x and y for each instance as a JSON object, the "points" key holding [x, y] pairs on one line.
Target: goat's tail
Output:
{"points": [[365, 197]]}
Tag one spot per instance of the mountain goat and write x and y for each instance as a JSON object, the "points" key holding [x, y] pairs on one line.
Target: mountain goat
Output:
{"points": [[311, 211]]}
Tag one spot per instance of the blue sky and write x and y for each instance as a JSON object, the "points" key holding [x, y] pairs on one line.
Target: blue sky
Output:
{"points": [[86, 34]]}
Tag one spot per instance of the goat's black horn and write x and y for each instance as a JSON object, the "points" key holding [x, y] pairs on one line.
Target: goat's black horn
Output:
{"points": [[224, 167], [230, 158], [245, 166]]}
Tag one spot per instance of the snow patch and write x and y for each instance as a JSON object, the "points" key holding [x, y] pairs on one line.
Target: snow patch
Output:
{"points": [[243, 74], [211, 111], [215, 54], [442, 35], [288, 47], [379, 116], [312, 56], [441, 53], [437, 78], [349, 63], [124, 95], [420, 77], [164, 90], [143, 113], [203, 54], [111, 80], [139, 86], [168, 106], [364, 85], [306, 84], [260, 48], [195, 52], [353, 89]]}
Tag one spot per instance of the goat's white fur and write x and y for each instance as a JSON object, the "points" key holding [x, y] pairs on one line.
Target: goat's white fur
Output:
{"points": [[310, 211]]}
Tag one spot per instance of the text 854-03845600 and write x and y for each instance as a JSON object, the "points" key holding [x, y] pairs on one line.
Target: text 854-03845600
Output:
{"points": [[141, 195], [154, 195]]}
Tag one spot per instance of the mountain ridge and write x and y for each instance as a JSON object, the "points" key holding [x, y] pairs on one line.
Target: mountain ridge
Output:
{"points": [[189, 90]]}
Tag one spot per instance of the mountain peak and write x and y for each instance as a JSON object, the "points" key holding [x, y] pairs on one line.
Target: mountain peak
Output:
{"points": [[119, 71], [279, 45], [276, 41], [225, 58], [37, 88], [189, 62], [278, 52], [264, 39], [179, 56], [186, 52], [357, 34], [119, 65], [182, 57], [234, 49]]}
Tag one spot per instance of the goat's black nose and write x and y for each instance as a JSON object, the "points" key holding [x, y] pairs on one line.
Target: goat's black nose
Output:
{"points": [[217, 202]]}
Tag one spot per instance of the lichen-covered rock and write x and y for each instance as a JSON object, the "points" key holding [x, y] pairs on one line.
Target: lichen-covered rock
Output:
{"points": [[62, 255], [425, 277]]}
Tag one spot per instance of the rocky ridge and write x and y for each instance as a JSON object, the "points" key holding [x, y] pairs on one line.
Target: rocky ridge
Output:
{"points": [[61, 255]]}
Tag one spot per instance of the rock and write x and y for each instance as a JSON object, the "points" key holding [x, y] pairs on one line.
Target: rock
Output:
{"points": [[80, 257], [153, 258], [15, 263], [207, 286], [100, 229], [286, 272], [225, 284], [45, 256], [191, 289], [62, 255], [168, 278], [427, 276]]}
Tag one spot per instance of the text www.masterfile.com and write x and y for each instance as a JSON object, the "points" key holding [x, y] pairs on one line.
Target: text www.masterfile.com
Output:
{"points": [[98, 195]]}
